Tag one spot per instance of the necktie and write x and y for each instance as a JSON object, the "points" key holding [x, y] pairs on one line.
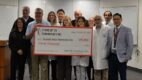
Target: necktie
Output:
{"points": [[60, 22], [116, 31]]}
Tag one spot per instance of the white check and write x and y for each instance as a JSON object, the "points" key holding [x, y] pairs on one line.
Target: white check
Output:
{"points": [[63, 41]]}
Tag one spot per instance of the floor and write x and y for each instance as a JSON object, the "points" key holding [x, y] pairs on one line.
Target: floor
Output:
{"points": [[131, 75]]}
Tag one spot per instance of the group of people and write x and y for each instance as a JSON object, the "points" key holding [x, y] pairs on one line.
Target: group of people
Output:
{"points": [[112, 48]]}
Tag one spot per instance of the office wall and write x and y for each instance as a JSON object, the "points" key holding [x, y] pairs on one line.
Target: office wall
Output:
{"points": [[130, 18], [89, 8], [139, 59], [95, 4], [8, 2], [8, 13], [137, 54], [118, 3], [136, 60]]}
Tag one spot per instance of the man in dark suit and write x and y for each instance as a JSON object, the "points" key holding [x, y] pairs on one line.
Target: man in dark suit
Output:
{"points": [[120, 47], [63, 62], [77, 14], [60, 15], [27, 19]]}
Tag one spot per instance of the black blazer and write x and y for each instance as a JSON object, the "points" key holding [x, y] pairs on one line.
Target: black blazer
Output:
{"points": [[28, 43], [17, 41], [28, 21], [73, 22]]}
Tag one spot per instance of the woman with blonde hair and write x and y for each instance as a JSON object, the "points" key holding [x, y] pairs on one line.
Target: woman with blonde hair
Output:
{"points": [[52, 59], [64, 62], [52, 18], [67, 21]]}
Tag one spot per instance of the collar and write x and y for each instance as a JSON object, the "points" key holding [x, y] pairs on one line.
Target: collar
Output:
{"points": [[38, 21], [98, 26], [118, 26], [26, 18]]}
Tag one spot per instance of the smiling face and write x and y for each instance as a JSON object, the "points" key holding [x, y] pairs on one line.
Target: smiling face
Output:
{"points": [[52, 17], [20, 24], [81, 22], [38, 14], [107, 16], [117, 20], [60, 15], [26, 11], [67, 21], [91, 22], [77, 14], [98, 20]]}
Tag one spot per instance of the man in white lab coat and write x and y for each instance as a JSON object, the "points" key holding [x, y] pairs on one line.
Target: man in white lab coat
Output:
{"points": [[108, 19], [99, 55]]}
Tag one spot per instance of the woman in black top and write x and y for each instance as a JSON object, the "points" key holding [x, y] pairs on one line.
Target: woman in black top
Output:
{"points": [[17, 44]]}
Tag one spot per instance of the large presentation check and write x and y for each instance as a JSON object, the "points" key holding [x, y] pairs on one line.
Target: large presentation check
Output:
{"points": [[63, 41]]}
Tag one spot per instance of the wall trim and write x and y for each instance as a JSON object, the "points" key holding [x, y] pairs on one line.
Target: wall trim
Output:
{"points": [[135, 69]]}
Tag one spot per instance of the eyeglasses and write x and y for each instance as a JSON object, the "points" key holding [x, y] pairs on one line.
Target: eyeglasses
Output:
{"points": [[51, 15], [80, 21], [38, 12], [97, 19]]}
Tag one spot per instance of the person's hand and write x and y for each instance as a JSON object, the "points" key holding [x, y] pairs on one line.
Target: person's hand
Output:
{"points": [[34, 29], [20, 52]]}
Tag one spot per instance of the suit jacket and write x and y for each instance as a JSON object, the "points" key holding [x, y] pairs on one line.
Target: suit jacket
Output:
{"points": [[17, 41], [73, 22], [124, 43], [29, 20]]}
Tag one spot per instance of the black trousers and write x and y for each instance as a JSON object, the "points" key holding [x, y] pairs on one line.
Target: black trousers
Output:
{"points": [[64, 68], [116, 67], [53, 64], [89, 69], [17, 65], [28, 59]]}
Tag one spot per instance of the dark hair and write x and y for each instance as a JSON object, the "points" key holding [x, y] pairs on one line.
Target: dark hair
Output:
{"points": [[83, 18], [55, 20], [15, 27], [117, 14], [109, 12], [61, 11]]}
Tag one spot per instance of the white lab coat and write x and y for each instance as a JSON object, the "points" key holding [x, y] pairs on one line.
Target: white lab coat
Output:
{"points": [[110, 24], [80, 61], [99, 53]]}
